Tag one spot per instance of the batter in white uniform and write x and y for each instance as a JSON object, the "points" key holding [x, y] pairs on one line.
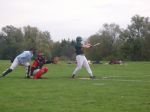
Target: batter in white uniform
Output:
{"points": [[80, 57]]}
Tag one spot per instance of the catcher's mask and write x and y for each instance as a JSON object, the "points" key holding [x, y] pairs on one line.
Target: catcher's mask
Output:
{"points": [[41, 57]]}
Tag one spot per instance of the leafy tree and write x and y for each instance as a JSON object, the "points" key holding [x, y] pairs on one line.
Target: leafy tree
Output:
{"points": [[11, 42], [131, 43], [134, 38], [108, 37], [38, 40], [64, 49]]}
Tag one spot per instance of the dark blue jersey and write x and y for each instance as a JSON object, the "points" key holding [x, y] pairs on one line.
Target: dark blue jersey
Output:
{"points": [[79, 49]]}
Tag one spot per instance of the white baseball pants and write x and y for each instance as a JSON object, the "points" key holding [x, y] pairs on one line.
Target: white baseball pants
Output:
{"points": [[82, 61], [16, 63]]}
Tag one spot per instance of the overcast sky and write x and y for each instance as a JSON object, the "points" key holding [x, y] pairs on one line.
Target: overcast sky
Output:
{"points": [[70, 18]]}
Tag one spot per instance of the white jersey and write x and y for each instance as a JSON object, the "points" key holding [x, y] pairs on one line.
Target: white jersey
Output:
{"points": [[24, 57]]}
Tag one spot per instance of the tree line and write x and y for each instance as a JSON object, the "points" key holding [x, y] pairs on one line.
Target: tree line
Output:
{"points": [[131, 43]]}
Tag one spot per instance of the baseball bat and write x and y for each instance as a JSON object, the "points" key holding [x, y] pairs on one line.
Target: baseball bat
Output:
{"points": [[96, 44]]}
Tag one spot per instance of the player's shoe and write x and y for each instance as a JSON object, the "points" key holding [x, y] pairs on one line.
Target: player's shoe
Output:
{"points": [[73, 76], [92, 77], [6, 72]]}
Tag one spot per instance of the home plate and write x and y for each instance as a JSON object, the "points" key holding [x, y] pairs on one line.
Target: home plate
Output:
{"points": [[87, 79]]}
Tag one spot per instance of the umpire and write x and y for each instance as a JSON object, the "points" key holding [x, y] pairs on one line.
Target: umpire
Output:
{"points": [[22, 59]]}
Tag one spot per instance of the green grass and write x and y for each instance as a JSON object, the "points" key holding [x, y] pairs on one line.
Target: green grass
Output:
{"points": [[117, 88]]}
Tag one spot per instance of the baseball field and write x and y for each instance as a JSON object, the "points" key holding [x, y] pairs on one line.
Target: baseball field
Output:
{"points": [[116, 88]]}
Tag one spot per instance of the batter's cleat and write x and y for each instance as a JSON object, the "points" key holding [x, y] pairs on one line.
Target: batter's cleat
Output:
{"points": [[92, 77], [73, 76]]}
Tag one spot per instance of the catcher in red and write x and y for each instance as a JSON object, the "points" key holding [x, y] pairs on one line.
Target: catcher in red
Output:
{"points": [[37, 67]]}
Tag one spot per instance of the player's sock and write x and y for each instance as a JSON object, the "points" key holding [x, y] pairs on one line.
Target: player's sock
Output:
{"points": [[6, 72], [27, 71]]}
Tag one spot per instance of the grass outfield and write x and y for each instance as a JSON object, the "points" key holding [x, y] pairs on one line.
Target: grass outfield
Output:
{"points": [[117, 88]]}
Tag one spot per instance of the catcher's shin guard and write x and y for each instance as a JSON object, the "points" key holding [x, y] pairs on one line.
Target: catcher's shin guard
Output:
{"points": [[40, 73], [6, 72]]}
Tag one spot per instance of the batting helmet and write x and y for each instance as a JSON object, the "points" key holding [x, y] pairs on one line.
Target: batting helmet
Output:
{"points": [[79, 39]]}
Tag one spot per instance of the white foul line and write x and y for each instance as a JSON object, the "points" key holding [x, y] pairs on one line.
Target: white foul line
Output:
{"points": [[127, 80]]}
